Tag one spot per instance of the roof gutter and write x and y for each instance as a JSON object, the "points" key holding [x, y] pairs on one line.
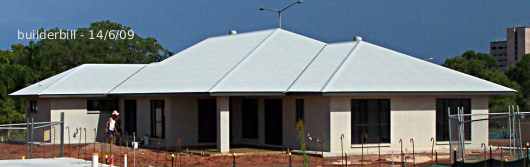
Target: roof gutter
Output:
{"points": [[411, 93]]}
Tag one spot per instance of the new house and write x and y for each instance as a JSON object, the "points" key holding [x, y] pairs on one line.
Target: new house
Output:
{"points": [[251, 89]]}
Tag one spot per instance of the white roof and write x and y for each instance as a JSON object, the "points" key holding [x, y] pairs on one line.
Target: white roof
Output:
{"points": [[269, 61], [273, 66], [87, 79], [371, 68]]}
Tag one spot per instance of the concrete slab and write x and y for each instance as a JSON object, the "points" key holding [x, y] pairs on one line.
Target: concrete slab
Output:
{"points": [[53, 162]]}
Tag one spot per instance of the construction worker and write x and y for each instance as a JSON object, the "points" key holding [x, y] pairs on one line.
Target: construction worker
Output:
{"points": [[112, 128]]}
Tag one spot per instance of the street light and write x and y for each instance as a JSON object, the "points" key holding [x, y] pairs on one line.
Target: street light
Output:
{"points": [[280, 11]]}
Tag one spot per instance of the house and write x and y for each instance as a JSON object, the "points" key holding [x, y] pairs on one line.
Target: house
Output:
{"points": [[252, 88]]}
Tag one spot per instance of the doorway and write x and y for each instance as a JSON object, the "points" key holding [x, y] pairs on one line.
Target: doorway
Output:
{"points": [[130, 117], [207, 120], [273, 121]]}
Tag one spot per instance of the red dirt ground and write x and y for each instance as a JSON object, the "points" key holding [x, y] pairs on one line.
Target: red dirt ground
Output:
{"points": [[150, 157]]}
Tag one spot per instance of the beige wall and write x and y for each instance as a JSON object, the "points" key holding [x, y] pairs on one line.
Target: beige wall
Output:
{"points": [[316, 115], [410, 117], [326, 119], [181, 120], [76, 117]]}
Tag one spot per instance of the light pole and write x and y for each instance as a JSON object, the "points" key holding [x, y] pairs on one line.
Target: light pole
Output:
{"points": [[280, 11]]}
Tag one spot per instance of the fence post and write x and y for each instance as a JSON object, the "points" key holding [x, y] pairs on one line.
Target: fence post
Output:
{"points": [[61, 152], [31, 139], [28, 151], [290, 158], [454, 157], [233, 160]]}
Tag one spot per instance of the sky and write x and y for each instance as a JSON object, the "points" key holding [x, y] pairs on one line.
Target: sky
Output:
{"points": [[422, 28]]}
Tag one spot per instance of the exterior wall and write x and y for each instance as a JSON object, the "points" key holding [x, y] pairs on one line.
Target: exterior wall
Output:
{"points": [[76, 117], [327, 120], [181, 114], [42, 115], [410, 117], [315, 121]]}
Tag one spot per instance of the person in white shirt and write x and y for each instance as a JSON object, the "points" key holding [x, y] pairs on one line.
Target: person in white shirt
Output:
{"points": [[112, 126]]}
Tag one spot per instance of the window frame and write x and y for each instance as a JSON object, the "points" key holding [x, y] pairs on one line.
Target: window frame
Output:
{"points": [[360, 114], [299, 110], [33, 106], [442, 124]]}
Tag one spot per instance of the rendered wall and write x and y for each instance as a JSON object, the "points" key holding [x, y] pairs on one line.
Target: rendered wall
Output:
{"points": [[77, 119], [316, 119], [411, 117]]}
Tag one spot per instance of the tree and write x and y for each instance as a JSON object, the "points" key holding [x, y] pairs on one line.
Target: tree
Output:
{"points": [[484, 66], [520, 73], [24, 65], [52, 56]]}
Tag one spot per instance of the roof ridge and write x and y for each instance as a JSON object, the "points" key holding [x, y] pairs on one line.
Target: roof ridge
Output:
{"points": [[354, 47], [62, 78], [250, 53], [306, 67], [126, 79]]}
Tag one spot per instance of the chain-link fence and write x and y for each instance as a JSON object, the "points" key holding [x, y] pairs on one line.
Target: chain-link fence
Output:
{"points": [[32, 139], [505, 135]]}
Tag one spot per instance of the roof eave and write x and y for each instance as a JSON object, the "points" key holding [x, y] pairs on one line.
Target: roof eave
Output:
{"points": [[387, 93]]}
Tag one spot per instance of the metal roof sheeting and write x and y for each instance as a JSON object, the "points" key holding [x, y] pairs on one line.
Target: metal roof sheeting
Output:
{"points": [[322, 68], [87, 79], [372, 68], [196, 69], [269, 61], [273, 66]]}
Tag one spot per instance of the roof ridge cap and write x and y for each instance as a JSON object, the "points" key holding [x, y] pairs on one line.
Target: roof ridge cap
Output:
{"points": [[306, 67], [250, 53], [354, 47], [75, 69], [126, 79]]}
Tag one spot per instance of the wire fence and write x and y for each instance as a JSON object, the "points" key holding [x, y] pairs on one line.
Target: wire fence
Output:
{"points": [[39, 139]]}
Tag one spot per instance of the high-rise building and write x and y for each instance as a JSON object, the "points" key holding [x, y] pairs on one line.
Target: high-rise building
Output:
{"points": [[509, 52], [498, 50]]}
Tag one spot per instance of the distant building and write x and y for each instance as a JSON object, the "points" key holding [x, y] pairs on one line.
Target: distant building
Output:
{"points": [[498, 50], [509, 52]]}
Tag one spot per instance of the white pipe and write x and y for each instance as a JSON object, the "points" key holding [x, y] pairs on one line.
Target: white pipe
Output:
{"points": [[95, 161], [125, 160]]}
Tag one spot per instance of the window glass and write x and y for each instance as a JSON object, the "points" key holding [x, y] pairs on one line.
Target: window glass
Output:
{"points": [[33, 106], [442, 119], [157, 119], [370, 121], [299, 110]]}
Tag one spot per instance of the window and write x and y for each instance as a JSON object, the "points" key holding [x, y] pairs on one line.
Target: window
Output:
{"points": [[442, 122], [299, 110], [249, 115], [370, 121], [101, 105], [157, 119], [33, 106]]}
